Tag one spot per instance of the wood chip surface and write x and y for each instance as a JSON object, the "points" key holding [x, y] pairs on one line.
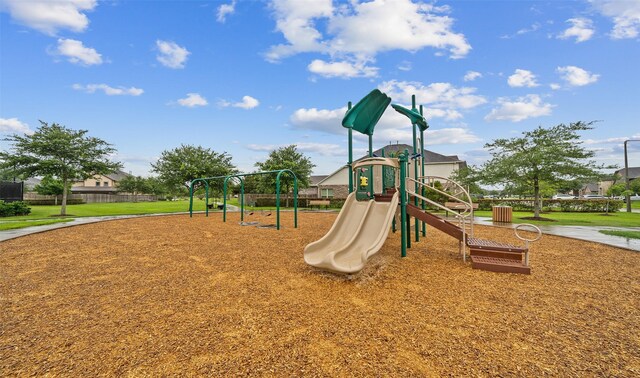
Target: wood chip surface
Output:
{"points": [[174, 295]]}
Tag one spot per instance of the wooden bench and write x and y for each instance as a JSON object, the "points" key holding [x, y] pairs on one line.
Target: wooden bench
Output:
{"points": [[319, 203]]}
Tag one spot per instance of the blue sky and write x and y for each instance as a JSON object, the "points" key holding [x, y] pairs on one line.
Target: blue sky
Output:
{"points": [[249, 76]]}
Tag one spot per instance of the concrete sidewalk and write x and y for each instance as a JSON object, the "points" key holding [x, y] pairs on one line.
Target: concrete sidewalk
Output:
{"points": [[591, 234]]}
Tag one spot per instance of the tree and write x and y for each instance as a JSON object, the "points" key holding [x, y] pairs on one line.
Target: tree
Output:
{"points": [[134, 185], [178, 167], [50, 186], [554, 155], [467, 177], [54, 150], [286, 158]]}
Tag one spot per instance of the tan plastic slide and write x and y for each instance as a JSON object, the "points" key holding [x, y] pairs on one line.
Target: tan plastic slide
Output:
{"points": [[357, 234]]}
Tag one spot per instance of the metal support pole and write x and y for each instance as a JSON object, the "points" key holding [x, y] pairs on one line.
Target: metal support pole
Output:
{"points": [[403, 204], [370, 186], [626, 173], [350, 163], [424, 204], [278, 201], [224, 199], [415, 166], [191, 200], [206, 198], [241, 200]]}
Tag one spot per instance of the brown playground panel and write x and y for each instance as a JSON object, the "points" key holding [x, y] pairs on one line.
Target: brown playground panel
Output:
{"points": [[178, 296]]}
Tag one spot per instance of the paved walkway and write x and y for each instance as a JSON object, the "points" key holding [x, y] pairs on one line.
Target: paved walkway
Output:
{"points": [[579, 232], [575, 232]]}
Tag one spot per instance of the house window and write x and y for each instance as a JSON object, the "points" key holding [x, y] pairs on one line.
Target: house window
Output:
{"points": [[326, 193], [106, 183], [97, 183]]}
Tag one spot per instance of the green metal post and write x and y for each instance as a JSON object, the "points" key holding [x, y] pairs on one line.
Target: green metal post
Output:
{"points": [[415, 165], [424, 205], [370, 167], [383, 174], [224, 199], [295, 201], [191, 199], [278, 201], [403, 204], [241, 199], [350, 164], [206, 199]]}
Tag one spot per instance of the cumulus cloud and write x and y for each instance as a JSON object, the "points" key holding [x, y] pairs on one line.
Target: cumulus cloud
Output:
{"points": [[225, 10], [193, 100], [529, 106], [171, 55], [322, 149], [581, 29], [405, 66], [49, 16], [108, 90], [348, 33], [77, 53], [624, 14], [472, 75], [247, 103], [576, 76], [439, 98], [342, 69], [324, 120], [522, 78], [14, 125]]}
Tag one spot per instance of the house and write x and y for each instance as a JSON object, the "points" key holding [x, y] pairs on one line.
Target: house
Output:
{"points": [[634, 173], [336, 185], [312, 190], [99, 184]]}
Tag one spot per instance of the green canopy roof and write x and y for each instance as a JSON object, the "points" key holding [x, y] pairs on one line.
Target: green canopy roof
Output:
{"points": [[364, 116], [414, 116]]}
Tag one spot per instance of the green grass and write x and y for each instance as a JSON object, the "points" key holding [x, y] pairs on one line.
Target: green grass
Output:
{"points": [[12, 224], [634, 205], [622, 233], [120, 208], [619, 219]]}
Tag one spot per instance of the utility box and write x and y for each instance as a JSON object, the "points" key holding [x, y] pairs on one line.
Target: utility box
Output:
{"points": [[11, 191], [502, 214]]}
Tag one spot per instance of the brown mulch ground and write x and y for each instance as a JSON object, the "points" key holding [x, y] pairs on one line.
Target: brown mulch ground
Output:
{"points": [[173, 295]]}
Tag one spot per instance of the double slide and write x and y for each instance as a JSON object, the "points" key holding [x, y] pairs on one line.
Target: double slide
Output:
{"points": [[357, 234]]}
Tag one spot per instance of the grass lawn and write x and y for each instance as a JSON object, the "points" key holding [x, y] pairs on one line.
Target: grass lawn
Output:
{"points": [[622, 233], [120, 208], [619, 219], [13, 224]]}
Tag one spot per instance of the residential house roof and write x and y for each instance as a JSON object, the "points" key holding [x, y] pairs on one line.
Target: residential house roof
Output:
{"points": [[429, 156], [117, 175], [315, 179], [634, 173]]}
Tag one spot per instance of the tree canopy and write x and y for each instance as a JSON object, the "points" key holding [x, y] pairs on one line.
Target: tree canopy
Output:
{"points": [[50, 186], [285, 158], [554, 156], [177, 167], [54, 150]]}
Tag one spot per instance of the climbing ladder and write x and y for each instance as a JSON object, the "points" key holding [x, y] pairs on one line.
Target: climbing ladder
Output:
{"points": [[485, 254]]}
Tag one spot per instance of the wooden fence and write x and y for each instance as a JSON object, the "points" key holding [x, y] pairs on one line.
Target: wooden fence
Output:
{"points": [[90, 198]]}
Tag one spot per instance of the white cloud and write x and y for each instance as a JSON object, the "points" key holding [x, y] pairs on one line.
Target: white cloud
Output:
{"points": [[14, 125], [576, 76], [555, 86], [192, 100], [472, 75], [522, 31], [454, 135], [77, 53], [522, 108], [581, 29], [624, 14], [437, 97], [322, 149], [247, 103], [342, 69], [49, 16], [108, 90], [405, 66], [171, 55], [328, 121], [224, 10], [522, 78], [350, 35]]}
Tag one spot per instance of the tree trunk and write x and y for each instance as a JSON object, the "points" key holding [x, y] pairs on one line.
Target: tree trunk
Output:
{"points": [[536, 198], [55, 200], [63, 208]]}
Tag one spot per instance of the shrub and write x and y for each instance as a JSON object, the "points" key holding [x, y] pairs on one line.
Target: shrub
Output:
{"points": [[569, 206], [13, 209]]}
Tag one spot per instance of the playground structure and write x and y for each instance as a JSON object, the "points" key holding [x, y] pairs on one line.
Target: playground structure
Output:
{"points": [[240, 177], [370, 210]]}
